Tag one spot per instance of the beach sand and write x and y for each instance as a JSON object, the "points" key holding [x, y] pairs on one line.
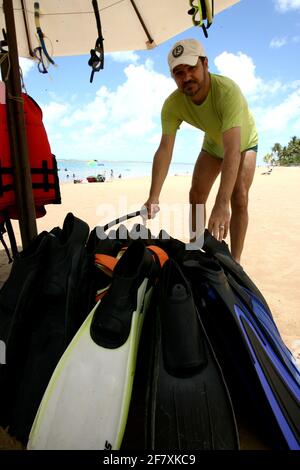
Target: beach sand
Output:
{"points": [[271, 252]]}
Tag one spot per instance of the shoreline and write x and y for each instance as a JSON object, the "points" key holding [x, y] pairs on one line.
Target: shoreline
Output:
{"points": [[172, 172]]}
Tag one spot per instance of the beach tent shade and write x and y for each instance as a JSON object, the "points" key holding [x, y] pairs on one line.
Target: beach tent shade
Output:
{"points": [[70, 28], [70, 25]]}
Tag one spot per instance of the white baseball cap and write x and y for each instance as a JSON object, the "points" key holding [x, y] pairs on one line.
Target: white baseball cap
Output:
{"points": [[185, 52]]}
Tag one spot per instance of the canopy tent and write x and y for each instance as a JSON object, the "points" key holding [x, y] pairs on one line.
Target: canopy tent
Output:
{"points": [[70, 27]]}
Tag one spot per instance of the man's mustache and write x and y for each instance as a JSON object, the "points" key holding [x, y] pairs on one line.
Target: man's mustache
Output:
{"points": [[190, 82]]}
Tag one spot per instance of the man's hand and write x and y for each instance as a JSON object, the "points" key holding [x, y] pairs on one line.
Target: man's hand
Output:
{"points": [[218, 224], [150, 208]]}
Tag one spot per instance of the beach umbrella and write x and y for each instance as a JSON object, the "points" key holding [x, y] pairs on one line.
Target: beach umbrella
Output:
{"points": [[92, 163], [73, 27]]}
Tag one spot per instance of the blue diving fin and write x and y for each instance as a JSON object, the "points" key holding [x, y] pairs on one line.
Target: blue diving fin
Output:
{"points": [[220, 251], [253, 356]]}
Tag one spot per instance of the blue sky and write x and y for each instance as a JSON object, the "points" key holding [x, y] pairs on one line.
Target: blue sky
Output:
{"points": [[117, 117]]}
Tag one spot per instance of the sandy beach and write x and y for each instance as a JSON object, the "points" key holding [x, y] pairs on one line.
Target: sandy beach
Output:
{"points": [[271, 253]]}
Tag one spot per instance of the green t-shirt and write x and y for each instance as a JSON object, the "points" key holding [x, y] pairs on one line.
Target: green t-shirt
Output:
{"points": [[225, 107]]}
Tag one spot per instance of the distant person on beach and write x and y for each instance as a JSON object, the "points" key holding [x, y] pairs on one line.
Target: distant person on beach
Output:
{"points": [[112, 174], [216, 105]]}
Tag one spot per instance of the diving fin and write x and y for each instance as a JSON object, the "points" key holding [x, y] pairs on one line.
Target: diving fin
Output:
{"points": [[16, 310], [221, 252], [266, 324], [59, 303], [189, 406], [251, 354], [86, 402]]}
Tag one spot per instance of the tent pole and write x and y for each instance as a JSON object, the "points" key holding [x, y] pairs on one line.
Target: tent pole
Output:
{"points": [[17, 134]]}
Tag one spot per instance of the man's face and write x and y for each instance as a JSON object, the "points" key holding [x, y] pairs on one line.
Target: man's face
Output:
{"points": [[190, 79]]}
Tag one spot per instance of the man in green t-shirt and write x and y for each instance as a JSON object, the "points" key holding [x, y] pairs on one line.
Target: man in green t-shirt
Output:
{"points": [[216, 105]]}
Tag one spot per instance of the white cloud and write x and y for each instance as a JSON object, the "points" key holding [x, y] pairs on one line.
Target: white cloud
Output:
{"points": [[126, 56], [154, 138], [278, 42], [275, 105], [286, 5], [52, 113], [240, 68], [116, 120], [124, 122], [281, 117], [26, 65]]}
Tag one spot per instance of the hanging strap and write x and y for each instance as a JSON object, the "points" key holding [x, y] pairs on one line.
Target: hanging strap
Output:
{"points": [[96, 60], [202, 10], [40, 33]]}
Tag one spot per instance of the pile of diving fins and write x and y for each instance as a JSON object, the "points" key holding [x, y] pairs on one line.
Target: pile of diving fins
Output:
{"points": [[131, 340]]}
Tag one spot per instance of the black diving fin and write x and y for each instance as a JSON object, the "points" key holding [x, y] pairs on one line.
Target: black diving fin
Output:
{"points": [[189, 406], [57, 304]]}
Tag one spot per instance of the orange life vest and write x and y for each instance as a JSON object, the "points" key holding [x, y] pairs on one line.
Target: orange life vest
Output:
{"points": [[45, 182]]}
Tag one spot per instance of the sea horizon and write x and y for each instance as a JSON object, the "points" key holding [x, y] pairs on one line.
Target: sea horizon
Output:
{"points": [[71, 170]]}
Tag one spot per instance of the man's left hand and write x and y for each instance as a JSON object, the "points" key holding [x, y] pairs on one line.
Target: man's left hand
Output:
{"points": [[218, 224]]}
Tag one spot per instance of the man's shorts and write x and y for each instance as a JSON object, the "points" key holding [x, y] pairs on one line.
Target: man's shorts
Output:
{"points": [[217, 151]]}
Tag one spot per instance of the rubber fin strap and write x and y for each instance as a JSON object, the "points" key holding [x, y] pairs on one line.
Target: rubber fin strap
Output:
{"points": [[38, 51], [108, 263], [202, 10], [97, 61]]}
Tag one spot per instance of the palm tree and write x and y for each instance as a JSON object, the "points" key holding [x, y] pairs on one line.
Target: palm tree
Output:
{"points": [[294, 140], [286, 155], [277, 150], [267, 158], [294, 150]]}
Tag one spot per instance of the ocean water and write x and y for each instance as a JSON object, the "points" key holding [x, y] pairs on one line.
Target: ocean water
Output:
{"points": [[80, 169]]}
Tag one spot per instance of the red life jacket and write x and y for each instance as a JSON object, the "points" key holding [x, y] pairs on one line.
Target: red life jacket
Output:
{"points": [[45, 182]]}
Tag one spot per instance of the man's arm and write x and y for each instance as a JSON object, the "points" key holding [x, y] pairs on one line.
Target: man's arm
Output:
{"points": [[160, 167], [219, 220]]}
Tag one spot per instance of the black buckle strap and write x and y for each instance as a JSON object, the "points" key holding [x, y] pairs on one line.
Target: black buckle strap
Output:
{"points": [[96, 60]]}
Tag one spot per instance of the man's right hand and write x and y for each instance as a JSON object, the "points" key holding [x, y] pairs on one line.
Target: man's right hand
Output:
{"points": [[150, 208]]}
